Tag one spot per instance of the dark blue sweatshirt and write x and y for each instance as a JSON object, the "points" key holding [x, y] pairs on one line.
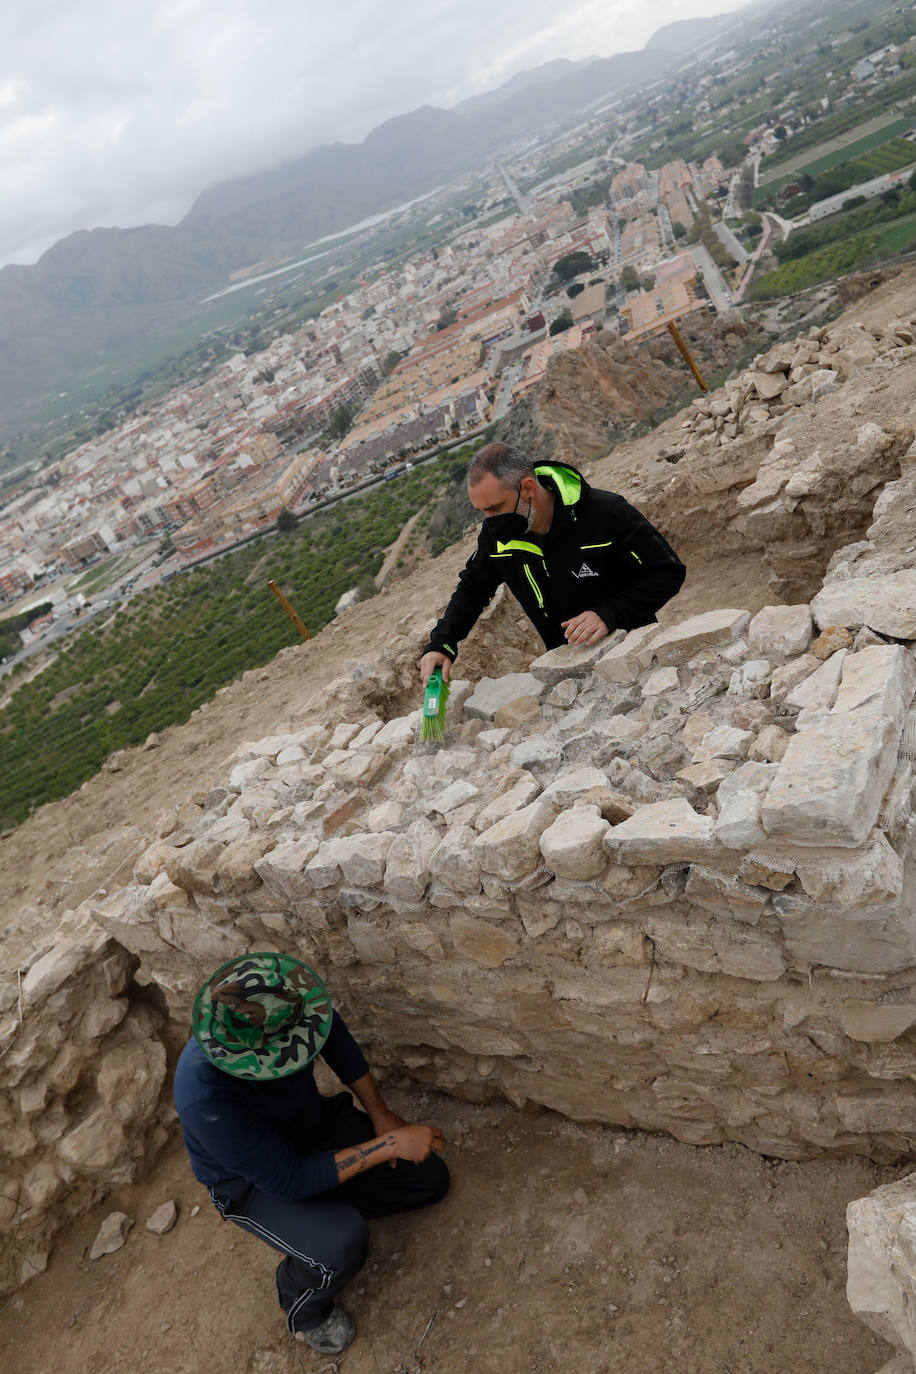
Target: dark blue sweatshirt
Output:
{"points": [[262, 1132]]}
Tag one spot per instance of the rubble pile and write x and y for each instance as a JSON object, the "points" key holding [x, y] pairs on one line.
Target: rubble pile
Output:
{"points": [[790, 375], [797, 479]]}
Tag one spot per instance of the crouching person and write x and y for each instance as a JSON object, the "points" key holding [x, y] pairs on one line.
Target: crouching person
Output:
{"points": [[296, 1168]]}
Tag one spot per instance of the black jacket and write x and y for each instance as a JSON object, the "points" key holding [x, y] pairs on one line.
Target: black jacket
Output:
{"points": [[599, 555]]}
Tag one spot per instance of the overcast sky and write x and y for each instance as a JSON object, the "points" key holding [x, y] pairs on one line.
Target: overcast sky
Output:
{"points": [[117, 113]]}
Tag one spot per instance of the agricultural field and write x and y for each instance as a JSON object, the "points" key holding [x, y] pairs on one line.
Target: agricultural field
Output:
{"points": [[837, 258], [830, 152], [889, 157], [834, 156], [167, 651]]}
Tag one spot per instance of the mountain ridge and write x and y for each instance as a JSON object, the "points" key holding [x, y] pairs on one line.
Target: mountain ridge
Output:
{"points": [[98, 289]]}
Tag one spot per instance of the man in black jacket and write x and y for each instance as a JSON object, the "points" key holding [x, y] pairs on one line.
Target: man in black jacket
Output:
{"points": [[581, 562]]}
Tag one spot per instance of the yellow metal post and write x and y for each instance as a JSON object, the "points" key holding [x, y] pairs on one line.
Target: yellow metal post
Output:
{"points": [[284, 602], [685, 354]]}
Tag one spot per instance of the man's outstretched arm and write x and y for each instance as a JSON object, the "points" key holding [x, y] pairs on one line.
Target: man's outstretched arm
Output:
{"points": [[413, 1143]]}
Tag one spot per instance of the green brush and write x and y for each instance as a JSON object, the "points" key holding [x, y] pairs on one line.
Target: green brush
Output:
{"points": [[432, 725]]}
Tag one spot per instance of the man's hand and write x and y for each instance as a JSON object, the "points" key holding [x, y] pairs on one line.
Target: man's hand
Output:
{"points": [[415, 1143], [586, 628], [429, 662]]}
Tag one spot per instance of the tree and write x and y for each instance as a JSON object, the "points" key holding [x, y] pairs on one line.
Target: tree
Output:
{"points": [[390, 362], [628, 278], [574, 290], [679, 230], [447, 316], [562, 322], [339, 422], [746, 188], [731, 155], [286, 521], [571, 264]]}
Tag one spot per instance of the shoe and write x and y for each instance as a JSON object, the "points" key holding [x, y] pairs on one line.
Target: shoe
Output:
{"points": [[332, 1335]]}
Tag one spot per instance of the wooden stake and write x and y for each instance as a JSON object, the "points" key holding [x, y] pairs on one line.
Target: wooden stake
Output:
{"points": [[685, 354], [284, 602]]}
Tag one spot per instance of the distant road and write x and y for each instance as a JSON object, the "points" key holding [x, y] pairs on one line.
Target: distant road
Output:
{"points": [[728, 240], [713, 280]]}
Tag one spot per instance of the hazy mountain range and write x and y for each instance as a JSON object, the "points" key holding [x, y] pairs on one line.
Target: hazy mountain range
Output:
{"points": [[98, 289]]}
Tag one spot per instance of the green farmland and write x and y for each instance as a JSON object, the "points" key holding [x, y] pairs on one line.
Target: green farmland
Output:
{"points": [[169, 650]]}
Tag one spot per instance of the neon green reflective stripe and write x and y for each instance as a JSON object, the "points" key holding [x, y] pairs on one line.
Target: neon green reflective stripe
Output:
{"points": [[568, 484], [606, 545], [449, 650], [520, 546], [537, 591], [634, 554]]}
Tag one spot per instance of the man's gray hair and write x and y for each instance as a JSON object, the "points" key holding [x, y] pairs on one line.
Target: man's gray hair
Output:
{"points": [[507, 464]]}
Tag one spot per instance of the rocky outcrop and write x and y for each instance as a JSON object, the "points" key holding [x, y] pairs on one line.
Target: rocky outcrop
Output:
{"points": [[594, 394], [82, 1068]]}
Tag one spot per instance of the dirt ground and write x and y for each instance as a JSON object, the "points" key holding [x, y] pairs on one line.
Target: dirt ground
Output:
{"points": [[559, 1246]]}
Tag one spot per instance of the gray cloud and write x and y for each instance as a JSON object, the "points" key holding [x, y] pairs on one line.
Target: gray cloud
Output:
{"points": [[114, 114]]}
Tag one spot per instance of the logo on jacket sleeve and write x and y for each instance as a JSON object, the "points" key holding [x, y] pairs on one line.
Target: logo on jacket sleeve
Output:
{"points": [[586, 571]]}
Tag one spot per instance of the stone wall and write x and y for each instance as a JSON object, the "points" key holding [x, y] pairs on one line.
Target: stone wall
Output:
{"points": [[665, 883]]}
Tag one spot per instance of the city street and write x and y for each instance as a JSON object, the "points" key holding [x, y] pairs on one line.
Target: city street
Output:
{"points": [[713, 280]]}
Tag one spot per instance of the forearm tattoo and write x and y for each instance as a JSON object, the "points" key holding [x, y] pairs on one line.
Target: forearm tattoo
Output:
{"points": [[359, 1157]]}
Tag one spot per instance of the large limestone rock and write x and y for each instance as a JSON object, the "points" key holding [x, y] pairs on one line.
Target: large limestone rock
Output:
{"points": [[662, 833], [511, 847], [829, 786], [492, 695], [881, 1263], [713, 629], [572, 846], [885, 604], [571, 660], [624, 661], [784, 630], [408, 858], [741, 796]]}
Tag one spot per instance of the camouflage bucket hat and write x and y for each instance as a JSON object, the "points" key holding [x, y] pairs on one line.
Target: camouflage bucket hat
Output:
{"points": [[262, 1016]]}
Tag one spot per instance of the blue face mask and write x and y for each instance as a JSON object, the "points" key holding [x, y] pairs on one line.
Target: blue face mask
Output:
{"points": [[510, 524]]}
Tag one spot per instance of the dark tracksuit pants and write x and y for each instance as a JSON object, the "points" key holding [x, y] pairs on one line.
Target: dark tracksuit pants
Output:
{"points": [[326, 1239]]}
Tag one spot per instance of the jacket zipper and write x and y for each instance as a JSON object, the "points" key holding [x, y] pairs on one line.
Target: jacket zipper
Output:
{"points": [[536, 589]]}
